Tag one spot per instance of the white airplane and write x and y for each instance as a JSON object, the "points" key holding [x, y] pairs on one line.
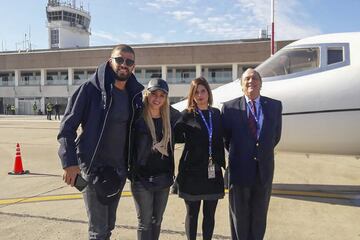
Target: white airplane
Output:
{"points": [[318, 81]]}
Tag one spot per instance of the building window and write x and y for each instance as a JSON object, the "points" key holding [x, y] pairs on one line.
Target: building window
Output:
{"points": [[7, 79], [80, 20], [176, 99], [57, 77], [219, 75], [138, 74], [30, 78], [180, 75], [152, 73], [143, 75], [54, 37], [54, 16], [69, 17], [81, 75]]}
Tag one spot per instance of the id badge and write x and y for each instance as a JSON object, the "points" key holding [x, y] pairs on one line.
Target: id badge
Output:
{"points": [[211, 171]]}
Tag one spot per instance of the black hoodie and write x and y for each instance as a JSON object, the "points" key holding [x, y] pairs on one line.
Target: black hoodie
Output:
{"points": [[88, 107]]}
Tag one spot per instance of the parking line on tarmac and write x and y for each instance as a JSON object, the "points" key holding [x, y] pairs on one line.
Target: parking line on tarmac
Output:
{"points": [[11, 201], [49, 198], [312, 194], [40, 199]]}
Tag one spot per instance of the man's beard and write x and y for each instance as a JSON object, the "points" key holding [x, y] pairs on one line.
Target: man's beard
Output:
{"points": [[122, 77]]}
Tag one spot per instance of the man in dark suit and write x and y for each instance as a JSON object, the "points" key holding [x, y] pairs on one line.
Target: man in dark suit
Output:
{"points": [[252, 127]]}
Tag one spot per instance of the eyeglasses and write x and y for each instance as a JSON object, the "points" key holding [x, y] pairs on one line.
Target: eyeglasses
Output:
{"points": [[121, 60]]}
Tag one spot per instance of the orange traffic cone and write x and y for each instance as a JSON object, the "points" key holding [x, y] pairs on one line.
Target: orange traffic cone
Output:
{"points": [[18, 167]]}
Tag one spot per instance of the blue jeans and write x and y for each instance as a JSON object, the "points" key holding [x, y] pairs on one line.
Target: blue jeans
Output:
{"points": [[101, 217], [150, 207]]}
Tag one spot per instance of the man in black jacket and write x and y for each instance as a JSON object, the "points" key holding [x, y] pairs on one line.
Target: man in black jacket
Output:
{"points": [[105, 107], [252, 127]]}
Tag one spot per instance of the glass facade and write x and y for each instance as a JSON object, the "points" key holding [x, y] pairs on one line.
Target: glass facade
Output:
{"points": [[58, 77], [7, 79], [5, 105], [81, 75], [54, 16], [69, 17], [152, 73], [143, 75], [138, 74], [73, 18], [181, 75], [175, 75], [30, 78], [218, 75]]}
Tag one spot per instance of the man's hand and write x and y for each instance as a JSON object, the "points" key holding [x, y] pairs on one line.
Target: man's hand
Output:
{"points": [[70, 174]]}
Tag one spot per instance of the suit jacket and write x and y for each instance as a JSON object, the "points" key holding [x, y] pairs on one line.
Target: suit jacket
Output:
{"points": [[245, 152]]}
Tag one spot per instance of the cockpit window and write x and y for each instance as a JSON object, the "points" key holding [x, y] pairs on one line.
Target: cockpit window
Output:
{"points": [[290, 61], [335, 55]]}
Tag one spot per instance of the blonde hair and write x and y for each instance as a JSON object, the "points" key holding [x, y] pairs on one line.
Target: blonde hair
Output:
{"points": [[161, 146]]}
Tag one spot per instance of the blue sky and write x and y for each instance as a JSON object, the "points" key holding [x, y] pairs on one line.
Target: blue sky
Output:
{"points": [[158, 21]]}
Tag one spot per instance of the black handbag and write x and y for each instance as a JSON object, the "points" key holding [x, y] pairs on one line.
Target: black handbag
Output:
{"points": [[158, 182], [108, 184]]}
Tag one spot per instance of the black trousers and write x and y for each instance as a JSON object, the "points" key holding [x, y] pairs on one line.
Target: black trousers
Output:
{"points": [[57, 115], [191, 220], [248, 208]]}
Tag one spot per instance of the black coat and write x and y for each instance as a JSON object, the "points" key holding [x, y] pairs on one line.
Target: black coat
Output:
{"points": [[88, 107], [193, 166], [142, 145]]}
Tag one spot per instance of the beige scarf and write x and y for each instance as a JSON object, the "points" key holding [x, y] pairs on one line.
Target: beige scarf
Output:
{"points": [[160, 148]]}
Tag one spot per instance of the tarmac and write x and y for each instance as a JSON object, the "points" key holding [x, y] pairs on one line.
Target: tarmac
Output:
{"points": [[314, 196]]}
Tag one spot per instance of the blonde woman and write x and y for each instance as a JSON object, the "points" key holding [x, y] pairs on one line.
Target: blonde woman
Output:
{"points": [[152, 165]]}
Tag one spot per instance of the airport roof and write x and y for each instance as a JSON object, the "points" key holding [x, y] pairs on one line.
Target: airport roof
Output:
{"points": [[147, 45]]}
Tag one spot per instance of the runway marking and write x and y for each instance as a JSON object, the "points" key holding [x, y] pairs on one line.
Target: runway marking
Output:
{"points": [[50, 198], [40, 199], [313, 194], [275, 192]]}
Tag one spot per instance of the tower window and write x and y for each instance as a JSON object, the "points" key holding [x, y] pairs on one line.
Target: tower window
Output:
{"points": [[54, 38]]}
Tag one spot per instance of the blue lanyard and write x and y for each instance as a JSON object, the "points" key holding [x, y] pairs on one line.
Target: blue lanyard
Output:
{"points": [[209, 128], [257, 116]]}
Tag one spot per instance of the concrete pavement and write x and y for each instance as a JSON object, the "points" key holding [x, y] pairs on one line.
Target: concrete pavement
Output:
{"points": [[315, 196]]}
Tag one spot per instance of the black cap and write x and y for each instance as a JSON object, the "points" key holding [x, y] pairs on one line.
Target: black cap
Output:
{"points": [[158, 84]]}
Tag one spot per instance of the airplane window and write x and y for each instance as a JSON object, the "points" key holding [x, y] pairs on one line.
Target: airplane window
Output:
{"points": [[290, 61], [335, 55]]}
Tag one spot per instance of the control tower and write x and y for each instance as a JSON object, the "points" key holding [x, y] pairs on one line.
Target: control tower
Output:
{"points": [[68, 25]]}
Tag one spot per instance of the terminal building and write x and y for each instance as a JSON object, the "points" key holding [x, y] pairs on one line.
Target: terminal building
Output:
{"points": [[52, 75]]}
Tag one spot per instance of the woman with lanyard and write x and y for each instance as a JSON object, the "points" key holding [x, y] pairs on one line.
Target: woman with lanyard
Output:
{"points": [[200, 176]]}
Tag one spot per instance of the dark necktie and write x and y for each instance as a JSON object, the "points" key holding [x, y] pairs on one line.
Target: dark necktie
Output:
{"points": [[251, 120]]}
